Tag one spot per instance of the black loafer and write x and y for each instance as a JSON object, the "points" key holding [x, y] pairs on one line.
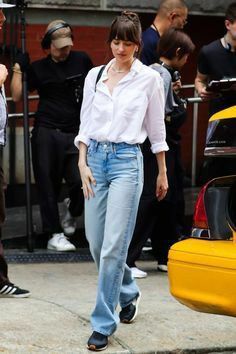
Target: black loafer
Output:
{"points": [[128, 313], [97, 342]]}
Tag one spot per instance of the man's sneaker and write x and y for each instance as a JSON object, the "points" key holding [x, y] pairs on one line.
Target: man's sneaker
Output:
{"points": [[59, 242], [138, 273], [128, 313], [97, 342], [162, 268], [11, 290], [68, 222]]}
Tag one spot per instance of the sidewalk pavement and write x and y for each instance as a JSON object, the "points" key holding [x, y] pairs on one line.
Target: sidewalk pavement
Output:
{"points": [[55, 319]]}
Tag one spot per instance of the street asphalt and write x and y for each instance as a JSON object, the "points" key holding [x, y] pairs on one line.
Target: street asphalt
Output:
{"points": [[55, 319]]}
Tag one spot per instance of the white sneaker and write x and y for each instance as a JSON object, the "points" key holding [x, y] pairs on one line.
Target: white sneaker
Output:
{"points": [[59, 242], [138, 273], [162, 268], [68, 222]]}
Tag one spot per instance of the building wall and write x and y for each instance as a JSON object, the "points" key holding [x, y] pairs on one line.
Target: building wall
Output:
{"points": [[195, 6]]}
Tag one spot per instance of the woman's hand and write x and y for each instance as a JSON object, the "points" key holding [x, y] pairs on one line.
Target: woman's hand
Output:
{"points": [[87, 181], [85, 172], [161, 186], [162, 182]]}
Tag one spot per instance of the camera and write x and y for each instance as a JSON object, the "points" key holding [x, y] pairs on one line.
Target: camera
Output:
{"points": [[176, 76]]}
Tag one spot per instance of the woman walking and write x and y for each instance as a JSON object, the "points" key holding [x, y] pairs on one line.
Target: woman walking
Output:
{"points": [[118, 112]]}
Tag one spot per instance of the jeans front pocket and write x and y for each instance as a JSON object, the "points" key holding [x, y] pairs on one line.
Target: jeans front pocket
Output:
{"points": [[127, 153]]}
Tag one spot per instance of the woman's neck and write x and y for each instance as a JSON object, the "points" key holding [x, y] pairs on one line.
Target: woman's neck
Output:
{"points": [[166, 61], [119, 67]]}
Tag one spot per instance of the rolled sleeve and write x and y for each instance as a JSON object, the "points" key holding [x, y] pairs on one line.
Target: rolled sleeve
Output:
{"points": [[80, 138], [155, 123], [158, 147]]}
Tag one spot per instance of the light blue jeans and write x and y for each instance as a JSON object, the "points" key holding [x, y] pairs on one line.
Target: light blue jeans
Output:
{"points": [[110, 218]]}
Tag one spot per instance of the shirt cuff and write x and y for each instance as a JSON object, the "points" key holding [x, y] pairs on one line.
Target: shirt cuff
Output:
{"points": [[81, 138], [158, 147]]}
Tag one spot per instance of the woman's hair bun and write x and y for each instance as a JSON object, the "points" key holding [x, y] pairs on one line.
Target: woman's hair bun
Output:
{"points": [[132, 16]]}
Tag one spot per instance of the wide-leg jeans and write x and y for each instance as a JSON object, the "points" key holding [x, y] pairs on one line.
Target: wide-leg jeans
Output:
{"points": [[110, 218]]}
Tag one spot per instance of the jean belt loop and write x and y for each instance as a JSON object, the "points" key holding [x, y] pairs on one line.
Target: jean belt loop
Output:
{"points": [[96, 145], [114, 148]]}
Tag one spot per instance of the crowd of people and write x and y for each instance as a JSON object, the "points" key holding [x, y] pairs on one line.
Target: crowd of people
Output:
{"points": [[112, 132]]}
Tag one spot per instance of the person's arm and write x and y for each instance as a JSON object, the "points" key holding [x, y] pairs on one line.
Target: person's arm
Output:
{"points": [[155, 126], [201, 81], [16, 83], [162, 182], [203, 74], [3, 74], [85, 172], [21, 65]]}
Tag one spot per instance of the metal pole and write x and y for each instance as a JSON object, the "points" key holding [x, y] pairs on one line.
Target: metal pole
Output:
{"points": [[194, 142], [12, 123], [29, 221]]}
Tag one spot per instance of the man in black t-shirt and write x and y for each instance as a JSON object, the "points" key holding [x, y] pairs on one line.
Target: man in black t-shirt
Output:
{"points": [[59, 80], [217, 61]]}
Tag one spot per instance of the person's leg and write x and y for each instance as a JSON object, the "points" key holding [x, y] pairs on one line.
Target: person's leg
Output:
{"points": [[180, 200], [123, 170], [49, 147], [165, 233], [146, 212], [143, 228], [3, 267], [3, 263], [72, 178], [6, 287], [47, 172]]}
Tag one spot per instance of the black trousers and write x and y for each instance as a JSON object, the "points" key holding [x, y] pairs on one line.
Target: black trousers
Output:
{"points": [[55, 157], [160, 221], [3, 263]]}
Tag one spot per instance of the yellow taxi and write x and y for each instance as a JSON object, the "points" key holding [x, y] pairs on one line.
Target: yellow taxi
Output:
{"points": [[202, 268]]}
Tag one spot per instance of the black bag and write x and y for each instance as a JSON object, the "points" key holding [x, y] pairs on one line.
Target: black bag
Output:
{"points": [[176, 118]]}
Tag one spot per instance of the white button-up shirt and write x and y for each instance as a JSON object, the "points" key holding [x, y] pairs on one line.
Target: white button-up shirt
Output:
{"points": [[133, 111]]}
